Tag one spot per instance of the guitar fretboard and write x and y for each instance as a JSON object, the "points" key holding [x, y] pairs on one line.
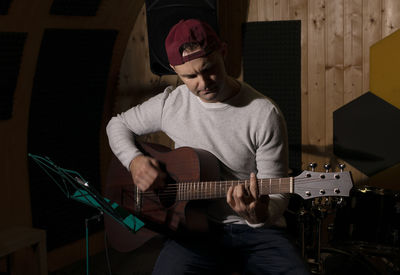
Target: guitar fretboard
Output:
{"points": [[219, 189]]}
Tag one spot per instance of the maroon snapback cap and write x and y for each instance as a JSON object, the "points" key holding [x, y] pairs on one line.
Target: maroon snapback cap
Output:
{"points": [[190, 31]]}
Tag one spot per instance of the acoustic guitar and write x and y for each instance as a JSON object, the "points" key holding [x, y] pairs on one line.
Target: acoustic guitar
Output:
{"points": [[193, 177]]}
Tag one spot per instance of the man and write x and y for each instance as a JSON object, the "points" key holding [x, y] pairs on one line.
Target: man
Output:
{"points": [[244, 130]]}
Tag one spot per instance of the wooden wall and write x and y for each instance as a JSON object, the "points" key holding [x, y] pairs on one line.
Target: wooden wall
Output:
{"points": [[336, 36], [33, 17], [335, 41]]}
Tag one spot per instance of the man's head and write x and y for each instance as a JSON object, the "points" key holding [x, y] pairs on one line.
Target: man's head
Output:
{"points": [[191, 33], [196, 54]]}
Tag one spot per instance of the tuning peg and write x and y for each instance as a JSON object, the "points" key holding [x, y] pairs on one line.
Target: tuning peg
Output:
{"points": [[312, 165], [327, 166], [342, 166]]}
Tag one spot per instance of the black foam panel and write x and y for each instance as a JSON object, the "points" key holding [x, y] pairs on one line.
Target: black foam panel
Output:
{"points": [[272, 65], [75, 7], [366, 134], [162, 15], [11, 48], [64, 124], [4, 6]]}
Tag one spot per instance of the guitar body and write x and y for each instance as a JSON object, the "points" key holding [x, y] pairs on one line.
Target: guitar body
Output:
{"points": [[159, 212], [193, 177]]}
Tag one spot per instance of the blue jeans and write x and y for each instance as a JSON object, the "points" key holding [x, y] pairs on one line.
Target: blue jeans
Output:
{"points": [[231, 248]]}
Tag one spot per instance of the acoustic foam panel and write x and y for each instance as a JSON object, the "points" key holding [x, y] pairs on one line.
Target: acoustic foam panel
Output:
{"points": [[384, 69], [162, 15], [64, 124], [75, 7], [11, 48], [4, 6], [272, 65], [367, 133]]}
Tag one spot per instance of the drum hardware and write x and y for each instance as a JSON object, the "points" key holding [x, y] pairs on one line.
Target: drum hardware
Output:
{"points": [[372, 216], [362, 231], [312, 217]]}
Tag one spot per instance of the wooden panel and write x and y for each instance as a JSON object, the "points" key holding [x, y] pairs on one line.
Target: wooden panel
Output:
{"points": [[262, 10], [316, 80], [372, 32], [334, 67], [281, 10], [33, 17], [298, 10], [231, 15], [390, 16], [353, 54]]}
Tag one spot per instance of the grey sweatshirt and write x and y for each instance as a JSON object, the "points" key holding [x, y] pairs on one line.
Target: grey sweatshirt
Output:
{"points": [[247, 133]]}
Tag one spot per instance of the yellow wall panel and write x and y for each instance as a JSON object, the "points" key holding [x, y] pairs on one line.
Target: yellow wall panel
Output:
{"points": [[385, 69]]}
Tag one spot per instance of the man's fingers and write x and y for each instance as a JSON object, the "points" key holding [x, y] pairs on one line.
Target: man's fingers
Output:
{"points": [[146, 173], [229, 197], [240, 197], [254, 192]]}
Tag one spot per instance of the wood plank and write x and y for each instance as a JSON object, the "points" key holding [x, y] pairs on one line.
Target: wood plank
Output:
{"points": [[136, 80], [334, 67], [372, 32], [390, 16], [281, 10], [231, 16], [298, 10], [261, 10], [353, 50], [316, 81]]}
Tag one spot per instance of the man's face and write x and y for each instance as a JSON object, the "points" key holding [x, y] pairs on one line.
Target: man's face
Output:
{"points": [[204, 76]]}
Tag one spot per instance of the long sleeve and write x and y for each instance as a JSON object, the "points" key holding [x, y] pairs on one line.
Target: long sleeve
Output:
{"points": [[142, 119], [272, 162]]}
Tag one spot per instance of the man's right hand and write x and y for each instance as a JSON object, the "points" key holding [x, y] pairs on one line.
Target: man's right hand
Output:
{"points": [[146, 173]]}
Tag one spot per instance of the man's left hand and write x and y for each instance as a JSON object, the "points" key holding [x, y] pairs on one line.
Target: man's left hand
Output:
{"points": [[244, 199]]}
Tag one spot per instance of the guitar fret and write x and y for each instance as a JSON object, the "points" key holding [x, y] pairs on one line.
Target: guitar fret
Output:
{"points": [[214, 190], [270, 182], [219, 189], [280, 182]]}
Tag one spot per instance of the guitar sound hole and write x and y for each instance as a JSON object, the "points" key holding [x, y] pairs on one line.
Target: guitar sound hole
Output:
{"points": [[167, 195]]}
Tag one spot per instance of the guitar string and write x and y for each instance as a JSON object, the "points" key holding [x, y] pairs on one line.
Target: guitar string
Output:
{"points": [[175, 186], [174, 192], [236, 182], [259, 181]]}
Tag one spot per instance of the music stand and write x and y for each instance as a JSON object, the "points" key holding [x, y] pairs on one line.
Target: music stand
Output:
{"points": [[75, 187]]}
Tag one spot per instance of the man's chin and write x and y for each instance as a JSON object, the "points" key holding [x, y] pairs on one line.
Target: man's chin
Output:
{"points": [[210, 98]]}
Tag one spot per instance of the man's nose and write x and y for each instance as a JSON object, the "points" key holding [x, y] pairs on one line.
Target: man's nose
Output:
{"points": [[204, 81]]}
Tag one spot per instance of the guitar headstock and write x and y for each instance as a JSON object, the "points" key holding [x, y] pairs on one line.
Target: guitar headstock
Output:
{"points": [[311, 184]]}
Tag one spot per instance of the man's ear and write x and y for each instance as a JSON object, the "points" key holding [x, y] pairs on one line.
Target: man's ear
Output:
{"points": [[172, 67]]}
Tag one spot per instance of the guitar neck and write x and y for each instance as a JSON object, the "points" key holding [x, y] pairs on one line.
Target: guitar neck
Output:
{"points": [[218, 189]]}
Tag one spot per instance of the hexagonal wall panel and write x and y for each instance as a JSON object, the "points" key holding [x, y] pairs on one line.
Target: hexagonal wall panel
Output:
{"points": [[367, 134], [385, 69]]}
